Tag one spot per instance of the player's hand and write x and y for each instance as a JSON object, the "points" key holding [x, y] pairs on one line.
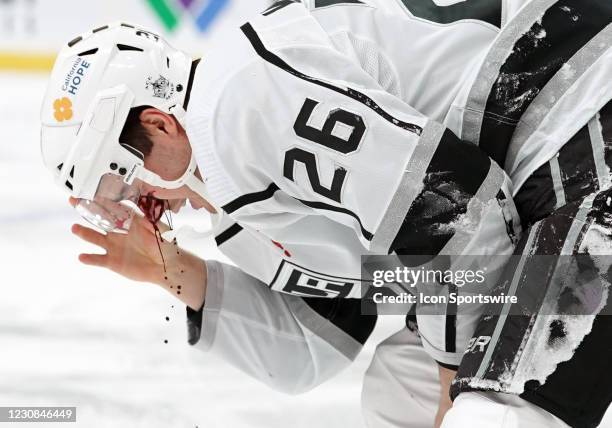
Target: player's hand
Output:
{"points": [[134, 255]]}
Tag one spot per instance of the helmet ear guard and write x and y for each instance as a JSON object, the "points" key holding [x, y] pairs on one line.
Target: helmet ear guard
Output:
{"points": [[96, 167], [97, 150]]}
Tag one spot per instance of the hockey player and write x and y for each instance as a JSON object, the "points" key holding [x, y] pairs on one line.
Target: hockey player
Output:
{"points": [[424, 106], [344, 168], [545, 95], [554, 132]]}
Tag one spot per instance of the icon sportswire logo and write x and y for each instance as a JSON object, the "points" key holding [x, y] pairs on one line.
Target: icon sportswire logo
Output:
{"points": [[203, 13]]}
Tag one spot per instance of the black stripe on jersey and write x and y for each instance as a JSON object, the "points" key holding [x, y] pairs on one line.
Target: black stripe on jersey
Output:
{"points": [[484, 10], [536, 199], [605, 119], [577, 165], [323, 206], [325, 3], [228, 234], [535, 58], [255, 197], [250, 198], [606, 122], [344, 314], [411, 320], [450, 331], [277, 6], [273, 59], [454, 175], [448, 366], [456, 162]]}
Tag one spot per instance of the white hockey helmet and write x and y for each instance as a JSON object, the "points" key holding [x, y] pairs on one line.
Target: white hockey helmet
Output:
{"points": [[97, 78]]}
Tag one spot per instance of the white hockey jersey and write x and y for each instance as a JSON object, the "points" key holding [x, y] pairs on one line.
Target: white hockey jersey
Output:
{"points": [[303, 128], [241, 312]]}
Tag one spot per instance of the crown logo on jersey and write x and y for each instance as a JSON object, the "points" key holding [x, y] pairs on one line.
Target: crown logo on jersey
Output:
{"points": [[162, 88], [62, 109]]}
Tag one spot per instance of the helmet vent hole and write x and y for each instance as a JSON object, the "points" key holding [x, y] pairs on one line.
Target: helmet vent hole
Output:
{"points": [[59, 167], [72, 173], [100, 28], [167, 62], [73, 42], [69, 185], [128, 48], [126, 25], [89, 52]]}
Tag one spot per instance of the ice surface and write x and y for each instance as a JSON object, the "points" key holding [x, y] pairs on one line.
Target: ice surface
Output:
{"points": [[78, 336]]}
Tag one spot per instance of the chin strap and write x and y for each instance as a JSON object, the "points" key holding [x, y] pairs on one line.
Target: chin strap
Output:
{"points": [[195, 184], [188, 232], [179, 113], [155, 180]]}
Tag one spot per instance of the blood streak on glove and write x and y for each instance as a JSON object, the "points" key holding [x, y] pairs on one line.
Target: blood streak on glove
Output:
{"points": [[153, 209]]}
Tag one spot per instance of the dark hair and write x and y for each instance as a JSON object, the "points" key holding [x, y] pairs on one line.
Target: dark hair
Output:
{"points": [[134, 134]]}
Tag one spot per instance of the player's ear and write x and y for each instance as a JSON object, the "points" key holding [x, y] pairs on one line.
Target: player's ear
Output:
{"points": [[157, 122]]}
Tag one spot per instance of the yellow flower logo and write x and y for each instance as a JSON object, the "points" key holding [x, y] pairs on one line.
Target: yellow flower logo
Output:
{"points": [[63, 109]]}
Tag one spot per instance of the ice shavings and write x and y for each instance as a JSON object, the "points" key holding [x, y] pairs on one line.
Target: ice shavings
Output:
{"points": [[540, 34], [567, 72], [478, 383], [510, 92], [554, 338], [570, 11], [513, 104], [598, 240], [546, 348]]}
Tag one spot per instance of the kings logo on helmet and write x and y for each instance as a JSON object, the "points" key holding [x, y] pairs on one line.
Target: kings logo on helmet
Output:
{"points": [[162, 87]]}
